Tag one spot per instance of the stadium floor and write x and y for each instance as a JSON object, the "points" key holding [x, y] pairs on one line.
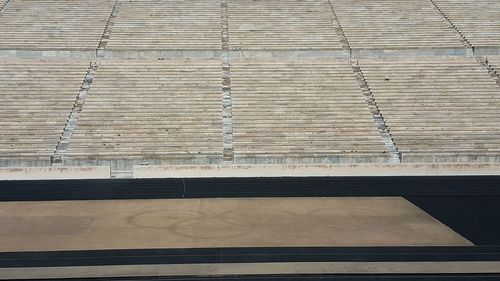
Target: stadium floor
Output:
{"points": [[446, 232]]}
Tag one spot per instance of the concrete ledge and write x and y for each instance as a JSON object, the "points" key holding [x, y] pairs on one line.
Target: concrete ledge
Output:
{"points": [[290, 159], [409, 53], [127, 164], [250, 269], [487, 51], [25, 162], [287, 54], [48, 54], [340, 170], [160, 54], [54, 173], [451, 157]]}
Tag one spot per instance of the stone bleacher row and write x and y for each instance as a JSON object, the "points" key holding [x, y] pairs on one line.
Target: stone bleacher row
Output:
{"points": [[171, 111], [147, 110], [439, 110], [394, 24], [260, 24], [286, 24], [302, 110], [495, 63], [175, 24], [53, 24], [36, 98], [478, 20]]}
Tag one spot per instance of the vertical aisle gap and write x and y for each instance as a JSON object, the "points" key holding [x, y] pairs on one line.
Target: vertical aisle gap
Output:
{"points": [[465, 41], [378, 118], [74, 115], [227, 103], [4, 5], [491, 70], [108, 29], [340, 32]]}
